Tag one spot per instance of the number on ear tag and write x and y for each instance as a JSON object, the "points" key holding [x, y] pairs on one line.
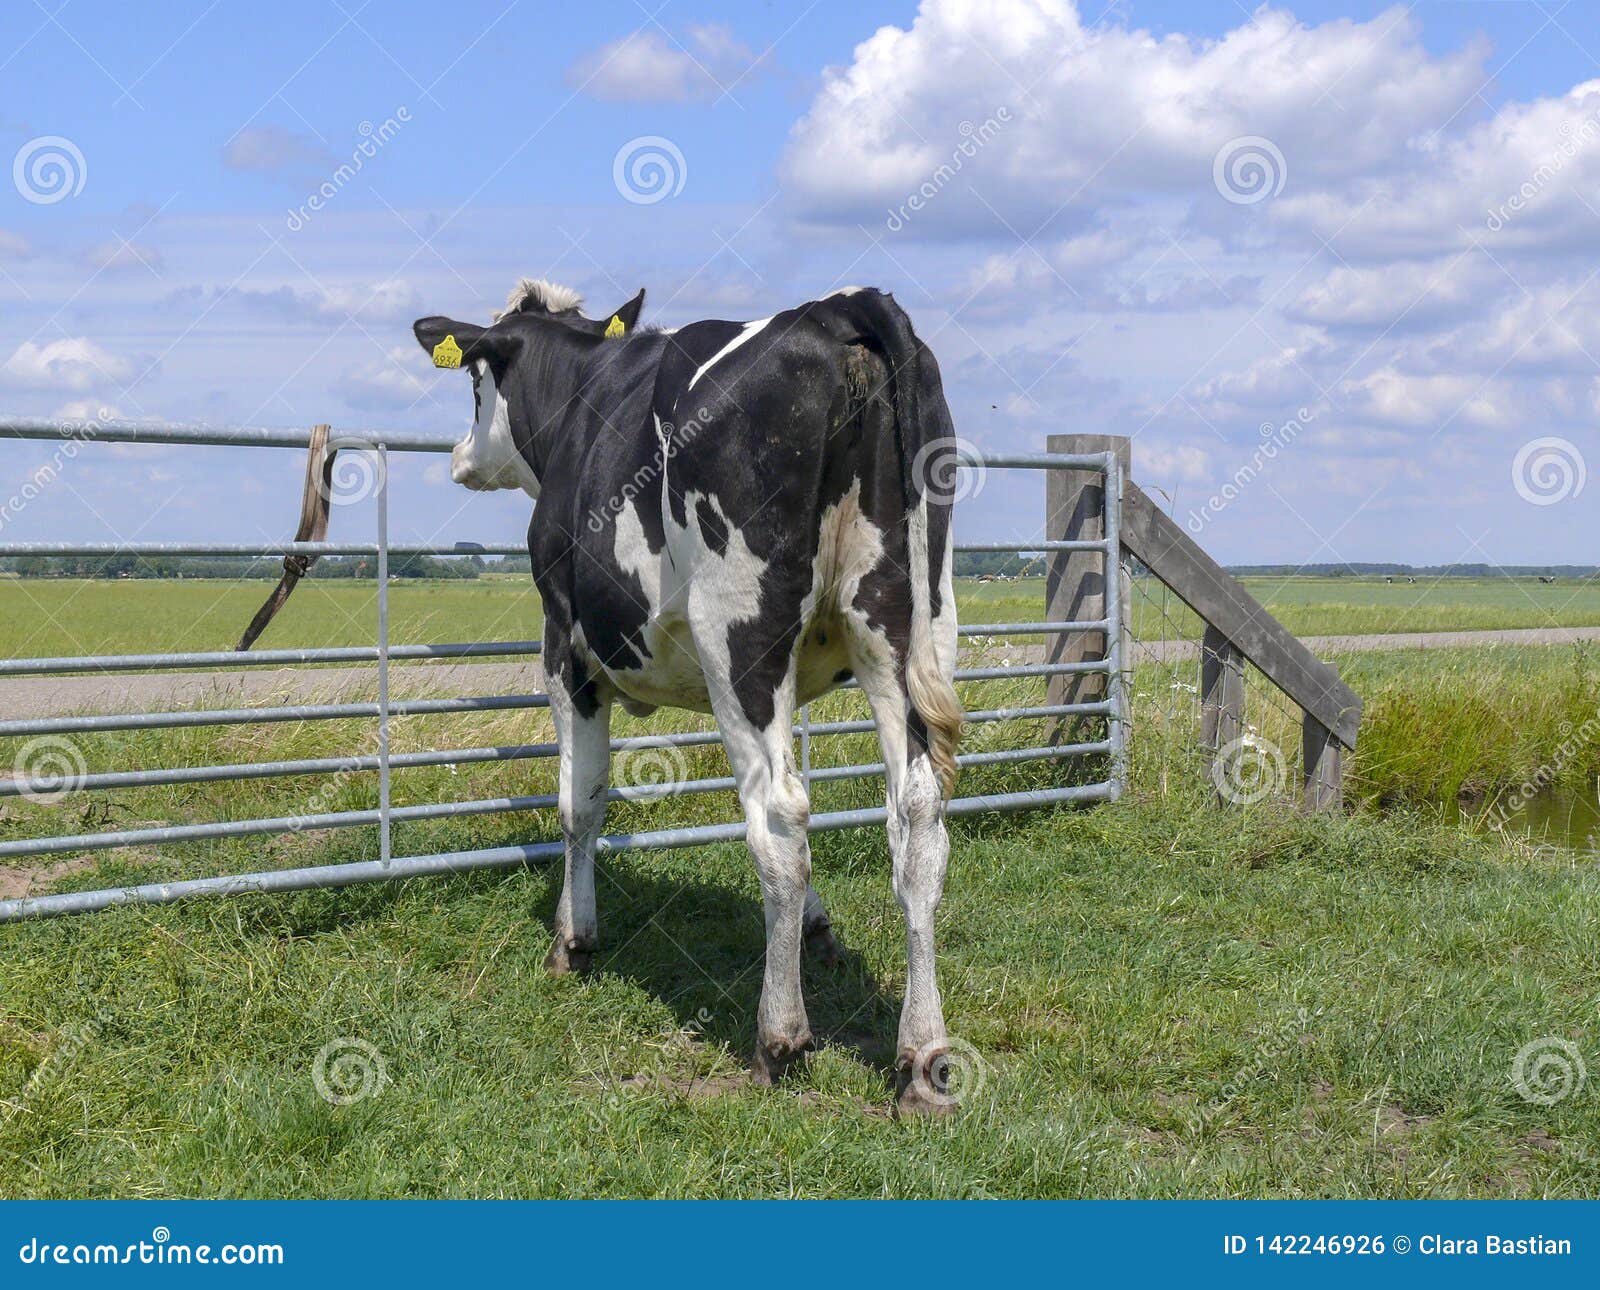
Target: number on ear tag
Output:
{"points": [[447, 353], [615, 327]]}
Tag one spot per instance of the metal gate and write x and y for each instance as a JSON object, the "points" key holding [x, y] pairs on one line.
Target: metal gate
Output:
{"points": [[1112, 707]]}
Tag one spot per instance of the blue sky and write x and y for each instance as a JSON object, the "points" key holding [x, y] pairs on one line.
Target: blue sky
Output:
{"points": [[1404, 310]]}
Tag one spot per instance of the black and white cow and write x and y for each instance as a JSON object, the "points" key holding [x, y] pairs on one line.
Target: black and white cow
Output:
{"points": [[737, 518]]}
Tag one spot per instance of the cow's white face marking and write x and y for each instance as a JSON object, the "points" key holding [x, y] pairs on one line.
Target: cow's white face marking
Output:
{"points": [[488, 458], [751, 330]]}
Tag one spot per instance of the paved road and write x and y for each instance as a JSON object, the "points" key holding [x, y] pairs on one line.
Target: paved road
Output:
{"points": [[32, 697]]}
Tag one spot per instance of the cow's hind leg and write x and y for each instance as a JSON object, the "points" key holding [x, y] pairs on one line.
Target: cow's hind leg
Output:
{"points": [[776, 811], [920, 851], [583, 733]]}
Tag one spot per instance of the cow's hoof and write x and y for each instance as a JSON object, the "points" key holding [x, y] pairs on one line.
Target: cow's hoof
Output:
{"points": [[775, 1058], [569, 956], [823, 945], [922, 1083]]}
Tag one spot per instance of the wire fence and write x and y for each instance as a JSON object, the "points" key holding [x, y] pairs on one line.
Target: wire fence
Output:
{"points": [[1247, 755]]}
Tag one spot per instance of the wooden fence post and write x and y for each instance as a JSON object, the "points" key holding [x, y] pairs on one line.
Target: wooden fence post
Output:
{"points": [[1323, 756], [1221, 696], [1075, 580]]}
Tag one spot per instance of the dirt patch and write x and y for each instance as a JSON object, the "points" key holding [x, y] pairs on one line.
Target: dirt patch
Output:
{"points": [[16, 883]]}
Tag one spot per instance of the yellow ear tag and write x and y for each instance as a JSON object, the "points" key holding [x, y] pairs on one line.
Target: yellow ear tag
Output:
{"points": [[447, 353], [615, 328]]}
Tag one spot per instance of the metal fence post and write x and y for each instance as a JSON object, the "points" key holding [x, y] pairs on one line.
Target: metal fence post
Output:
{"points": [[385, 849], [1116, 627]]}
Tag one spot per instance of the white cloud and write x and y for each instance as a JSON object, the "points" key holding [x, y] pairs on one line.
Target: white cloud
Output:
{"points": [[651, 67], [388, 384], [387, 300], [1425, 402], [272, 150], [76, 364], [88, 410], [1520, 181], [117, 255], [1102, 113]]}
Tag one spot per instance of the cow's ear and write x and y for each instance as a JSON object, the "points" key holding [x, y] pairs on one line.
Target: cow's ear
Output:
{"points": [[446, 340], [628, 315]]}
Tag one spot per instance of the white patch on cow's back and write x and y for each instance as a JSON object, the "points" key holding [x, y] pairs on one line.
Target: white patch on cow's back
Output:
{"points": [[488, 458], [846, 291], [751, 330]]}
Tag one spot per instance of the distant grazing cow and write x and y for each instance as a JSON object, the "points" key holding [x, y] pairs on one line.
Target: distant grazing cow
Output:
{"points": [[1545, 578], [737, 518]]}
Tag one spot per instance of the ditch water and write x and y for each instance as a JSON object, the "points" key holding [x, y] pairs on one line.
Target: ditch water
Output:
{"points": [[1561, 817]]}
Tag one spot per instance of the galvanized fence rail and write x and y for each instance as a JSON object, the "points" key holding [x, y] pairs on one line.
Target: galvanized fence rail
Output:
{"points": [[1109, 706]]}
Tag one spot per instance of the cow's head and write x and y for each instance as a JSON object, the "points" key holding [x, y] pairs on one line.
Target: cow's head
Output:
{"points": [[516, 367]]}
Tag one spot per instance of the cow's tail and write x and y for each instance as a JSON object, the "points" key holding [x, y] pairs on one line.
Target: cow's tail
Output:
{"points": [[926, 442]]}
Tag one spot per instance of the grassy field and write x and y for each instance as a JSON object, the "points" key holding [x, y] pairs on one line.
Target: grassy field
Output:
{"points": [[49, 617], [1164, 998]]}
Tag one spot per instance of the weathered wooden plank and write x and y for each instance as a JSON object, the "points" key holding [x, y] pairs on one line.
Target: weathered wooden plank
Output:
{"points": [[1075, 580], [1221, 696], [1324, 767], [1219, 598]]}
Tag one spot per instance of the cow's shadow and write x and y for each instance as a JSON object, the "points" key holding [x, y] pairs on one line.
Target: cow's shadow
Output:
{"points": [[700, 948]]}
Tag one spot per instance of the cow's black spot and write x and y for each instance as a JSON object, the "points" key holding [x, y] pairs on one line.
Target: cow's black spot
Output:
{"points": [[713, 529], [842, 675]]}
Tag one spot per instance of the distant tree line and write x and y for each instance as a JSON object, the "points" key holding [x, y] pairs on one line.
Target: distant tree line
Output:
{"points": [[172, 566], [1379, 570]]}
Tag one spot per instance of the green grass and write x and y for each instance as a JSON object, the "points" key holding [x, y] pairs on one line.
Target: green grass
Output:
{"points": [[71, 616], [1166, 1000]]}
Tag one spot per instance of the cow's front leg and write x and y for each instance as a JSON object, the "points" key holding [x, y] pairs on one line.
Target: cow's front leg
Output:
{"points": [[583, 732]]}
